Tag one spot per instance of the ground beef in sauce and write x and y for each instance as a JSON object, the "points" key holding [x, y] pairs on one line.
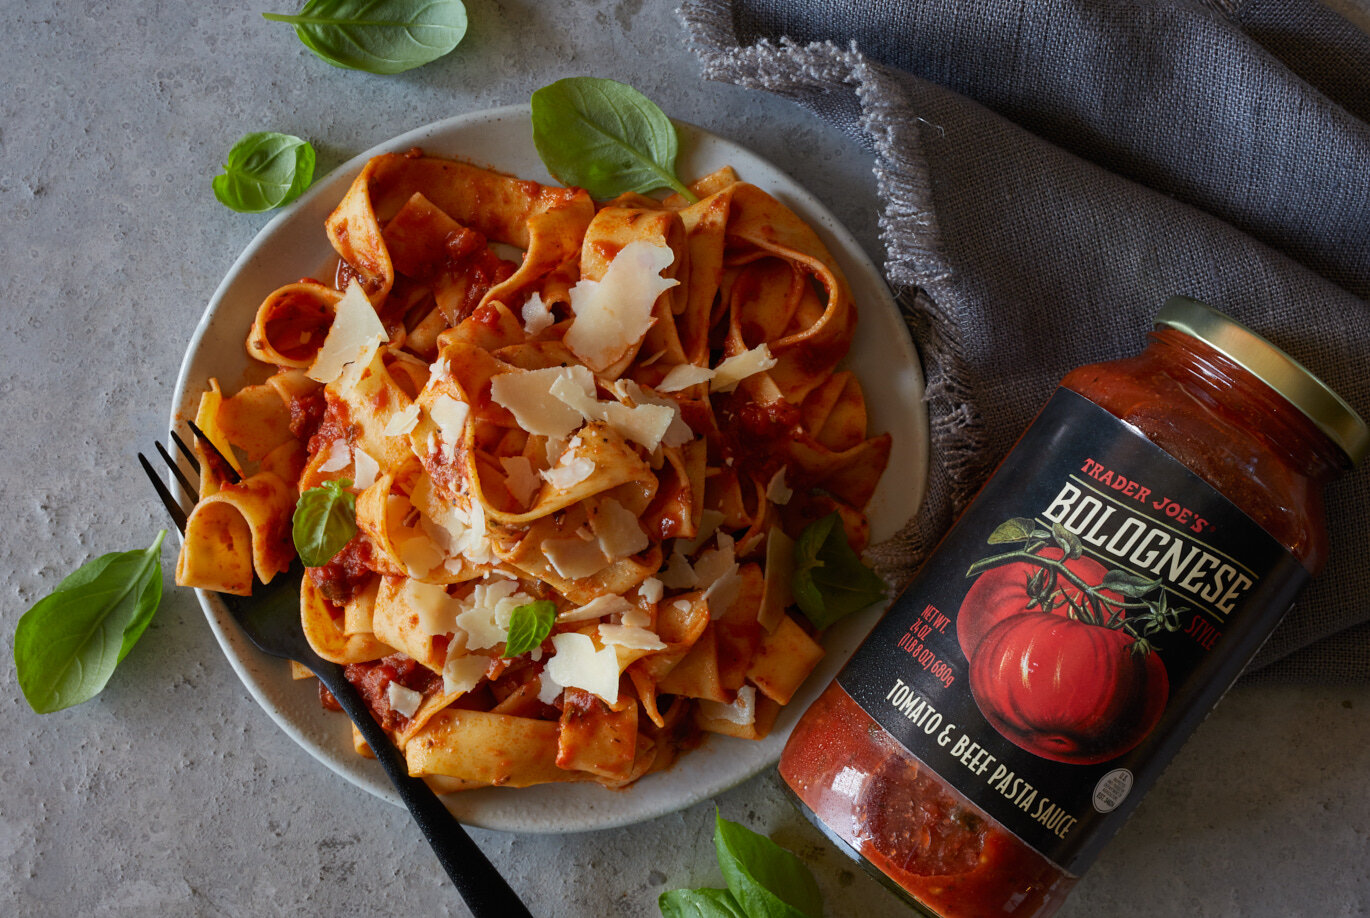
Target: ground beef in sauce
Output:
{"points": [[373, 680], [341, 578], [920, 827], [306, 413]]}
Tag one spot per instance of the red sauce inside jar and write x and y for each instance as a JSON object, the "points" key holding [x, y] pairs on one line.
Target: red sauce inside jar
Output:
{"points": [[913, 829]]}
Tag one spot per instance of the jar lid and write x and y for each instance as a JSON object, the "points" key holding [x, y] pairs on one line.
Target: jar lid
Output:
{"points": [[1326, 409]]}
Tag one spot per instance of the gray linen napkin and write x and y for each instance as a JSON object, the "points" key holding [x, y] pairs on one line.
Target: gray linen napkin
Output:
{"points": [[1052, 171]]}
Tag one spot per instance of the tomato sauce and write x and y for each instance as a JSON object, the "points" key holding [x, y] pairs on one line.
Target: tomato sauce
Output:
{"points": [[373, 679], [346, 573], [1232, 409]]}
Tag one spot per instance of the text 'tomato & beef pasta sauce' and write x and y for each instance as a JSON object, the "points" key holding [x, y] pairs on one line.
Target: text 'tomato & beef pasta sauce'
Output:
{"points": [[1108, 584]]}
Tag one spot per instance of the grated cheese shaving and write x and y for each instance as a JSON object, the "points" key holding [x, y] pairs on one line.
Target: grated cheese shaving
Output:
{"points": [[537, 315], [524, 393], [683, 376], [619, 533], [599, 607], [739, 366], [578, 664], [613, 313], [777, 492], [353, 337], [741, 712], [630, 637], [403, 700], [463, 672], [520, 478], [402, 421]]}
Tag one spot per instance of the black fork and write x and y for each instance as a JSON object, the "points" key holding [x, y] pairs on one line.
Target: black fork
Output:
{"points": [[270, 618]]}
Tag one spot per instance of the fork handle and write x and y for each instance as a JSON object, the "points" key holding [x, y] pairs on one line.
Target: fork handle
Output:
{"points": [[482, 888]]}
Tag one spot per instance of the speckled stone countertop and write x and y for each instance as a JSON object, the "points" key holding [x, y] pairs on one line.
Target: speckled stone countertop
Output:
{"points": [[172, 793]]}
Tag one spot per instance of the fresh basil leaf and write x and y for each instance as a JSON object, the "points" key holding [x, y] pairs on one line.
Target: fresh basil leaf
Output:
{"points": [[67, 645], [699, 903], [325, 521], [264, 170], [529, 626], [378, 36], [829, 581], [605, 137], [766, 880]]}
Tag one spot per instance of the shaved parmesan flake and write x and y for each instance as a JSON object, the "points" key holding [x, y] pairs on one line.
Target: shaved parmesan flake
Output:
{"points": [[435, 609], [403, 421], [645, 424], [777, 492], [635, 618], [525, 394], [709, 521], [718, 574], [741, 712], [577, 392], [650, 589], [575, 558], [450, 416], [339, 456], [739, 366], [678, 433], [520, 478], [630, 637], [420, 554], [353, 337], [683, 376], [578, 664], [463, 672], [537, 315], [618, 530], [403, 700], [365, 469], [679, 575], [599, 607], [486, 619], [570, 470], [613, 313]]}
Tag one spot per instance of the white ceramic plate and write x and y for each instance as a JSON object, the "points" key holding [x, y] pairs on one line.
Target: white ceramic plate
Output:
{"points": [[293, 244]]}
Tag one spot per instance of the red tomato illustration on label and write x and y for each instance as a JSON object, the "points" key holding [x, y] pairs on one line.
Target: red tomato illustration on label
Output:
{"points": [[1004, 591], [1067, 690]]}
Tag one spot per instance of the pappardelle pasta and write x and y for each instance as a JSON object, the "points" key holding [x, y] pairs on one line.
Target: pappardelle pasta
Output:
{"points": [[607, 419]]}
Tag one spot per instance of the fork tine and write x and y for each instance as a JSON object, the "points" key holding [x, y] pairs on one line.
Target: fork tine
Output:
{"points": [[178, 516], [186, 451], [222, 466], [176, 469]]}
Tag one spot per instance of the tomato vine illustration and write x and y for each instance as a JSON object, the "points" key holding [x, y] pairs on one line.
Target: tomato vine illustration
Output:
{"points": [[1063, 661]]}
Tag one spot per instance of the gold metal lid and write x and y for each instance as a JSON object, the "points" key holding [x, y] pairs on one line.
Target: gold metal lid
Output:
{"points": [[1272, 366]]}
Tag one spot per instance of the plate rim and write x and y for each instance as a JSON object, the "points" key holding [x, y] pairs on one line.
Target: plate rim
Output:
{"points": [[250, 665]]}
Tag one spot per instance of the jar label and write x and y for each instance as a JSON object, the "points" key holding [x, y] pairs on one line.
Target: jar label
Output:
{"points": [[1077, 623]]}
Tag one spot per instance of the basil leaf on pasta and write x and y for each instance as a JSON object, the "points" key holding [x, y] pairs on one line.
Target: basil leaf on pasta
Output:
{"points": [[263, 171], [67, 645], [699, 903], [830, 581], [529, 626], [325, 520], [766, 880], [378, 36], [605, 137]]}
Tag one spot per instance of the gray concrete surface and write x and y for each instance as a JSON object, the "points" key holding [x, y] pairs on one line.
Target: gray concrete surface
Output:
{"points": [[172, 793]]}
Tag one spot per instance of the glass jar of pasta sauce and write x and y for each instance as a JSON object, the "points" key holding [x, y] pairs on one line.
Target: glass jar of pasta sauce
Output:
{"points": [[1108, 584]]}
